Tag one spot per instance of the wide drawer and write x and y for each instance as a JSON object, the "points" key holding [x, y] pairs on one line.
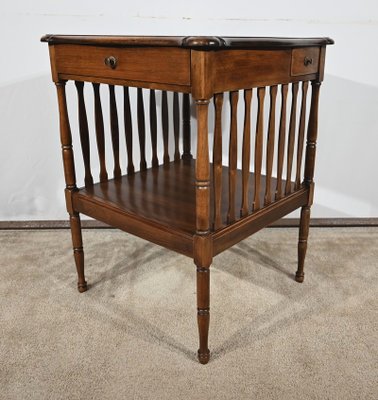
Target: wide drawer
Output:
{"points": [[145, 64], [305, 61]]}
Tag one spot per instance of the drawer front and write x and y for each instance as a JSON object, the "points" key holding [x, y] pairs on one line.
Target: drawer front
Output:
{"points": [[160, 65], [305, 61]]}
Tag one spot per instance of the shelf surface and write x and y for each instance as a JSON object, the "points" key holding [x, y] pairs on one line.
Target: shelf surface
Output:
{"points": [[165, 195]]}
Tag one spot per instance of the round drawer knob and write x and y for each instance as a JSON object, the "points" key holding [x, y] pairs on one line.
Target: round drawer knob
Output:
{"points": [[111, 62], [307, 61]]}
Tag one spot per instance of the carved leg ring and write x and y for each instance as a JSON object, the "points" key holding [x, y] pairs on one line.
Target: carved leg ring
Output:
{"points": [[77, 243], [302, 243], [203, 312]]}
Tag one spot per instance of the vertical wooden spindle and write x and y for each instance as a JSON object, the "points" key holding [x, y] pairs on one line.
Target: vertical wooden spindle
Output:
{"points": [[270, 145], [153, 128], [141, 129], [165, 125], [312, 134], [114, 128], [84, 133], [128, 130], [291, 140], [100, 135], [176, 125], [70, 178], [217, 161], [281, 141], [259, 146], [246, 152], [301, 133], [186, 127], [232, 156]]}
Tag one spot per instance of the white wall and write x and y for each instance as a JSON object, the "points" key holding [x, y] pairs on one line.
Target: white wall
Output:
{"points": [[31, 179]]}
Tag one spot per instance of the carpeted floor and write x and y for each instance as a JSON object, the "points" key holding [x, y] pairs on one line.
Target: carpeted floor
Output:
{"points": [[133, 335]]}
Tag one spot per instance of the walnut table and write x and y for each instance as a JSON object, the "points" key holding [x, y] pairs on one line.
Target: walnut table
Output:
{"points": [[255, 170]]}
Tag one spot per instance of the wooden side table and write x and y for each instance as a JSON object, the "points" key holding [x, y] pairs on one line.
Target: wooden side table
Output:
{"points": [[188, 205]]}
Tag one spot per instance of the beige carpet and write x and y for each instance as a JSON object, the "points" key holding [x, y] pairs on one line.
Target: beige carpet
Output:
{"points": [[133, 335]]}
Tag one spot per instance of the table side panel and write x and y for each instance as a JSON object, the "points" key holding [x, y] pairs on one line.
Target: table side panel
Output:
{"points": [[242, 69], [160, 65], [136, 225], [248, 68], [245, 227]]}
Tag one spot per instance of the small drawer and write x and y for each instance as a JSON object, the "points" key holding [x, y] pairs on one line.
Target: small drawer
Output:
{"points": [[305, 61], [145, 64]]}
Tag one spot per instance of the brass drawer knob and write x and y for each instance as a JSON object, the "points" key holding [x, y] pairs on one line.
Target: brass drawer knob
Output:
{"points": [[307, 61], [111, 62]]}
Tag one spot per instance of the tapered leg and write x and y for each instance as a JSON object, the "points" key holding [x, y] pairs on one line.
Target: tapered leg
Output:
{"points": [[203, 312], [70, 178], [77, 243], [203, 252], [302, 243]]}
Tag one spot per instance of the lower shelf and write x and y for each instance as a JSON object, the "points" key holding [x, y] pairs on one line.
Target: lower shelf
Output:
{"points": [[158, 204]]}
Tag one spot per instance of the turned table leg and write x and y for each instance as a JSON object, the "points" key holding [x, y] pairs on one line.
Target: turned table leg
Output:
{"points": [[203, 312], [302, 243], [77, 244], [70, 178], [203, 257], [312, 134], [202, 245]]}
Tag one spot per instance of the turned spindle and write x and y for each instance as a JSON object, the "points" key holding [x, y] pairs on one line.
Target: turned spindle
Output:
{"points": [[128, 130], [281, 141], [232, 156], [259, 146], [84, 133], [114, 128], [100, 134], [291, 139], [186, 155], [153, 128], [246, 158], [165, 125], [176, 125], [301, 134], [270, 145], [141, 129], [217, 161]]}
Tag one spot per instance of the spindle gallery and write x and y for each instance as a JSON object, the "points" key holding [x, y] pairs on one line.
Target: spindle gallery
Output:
{"points": [[179, 198]]}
